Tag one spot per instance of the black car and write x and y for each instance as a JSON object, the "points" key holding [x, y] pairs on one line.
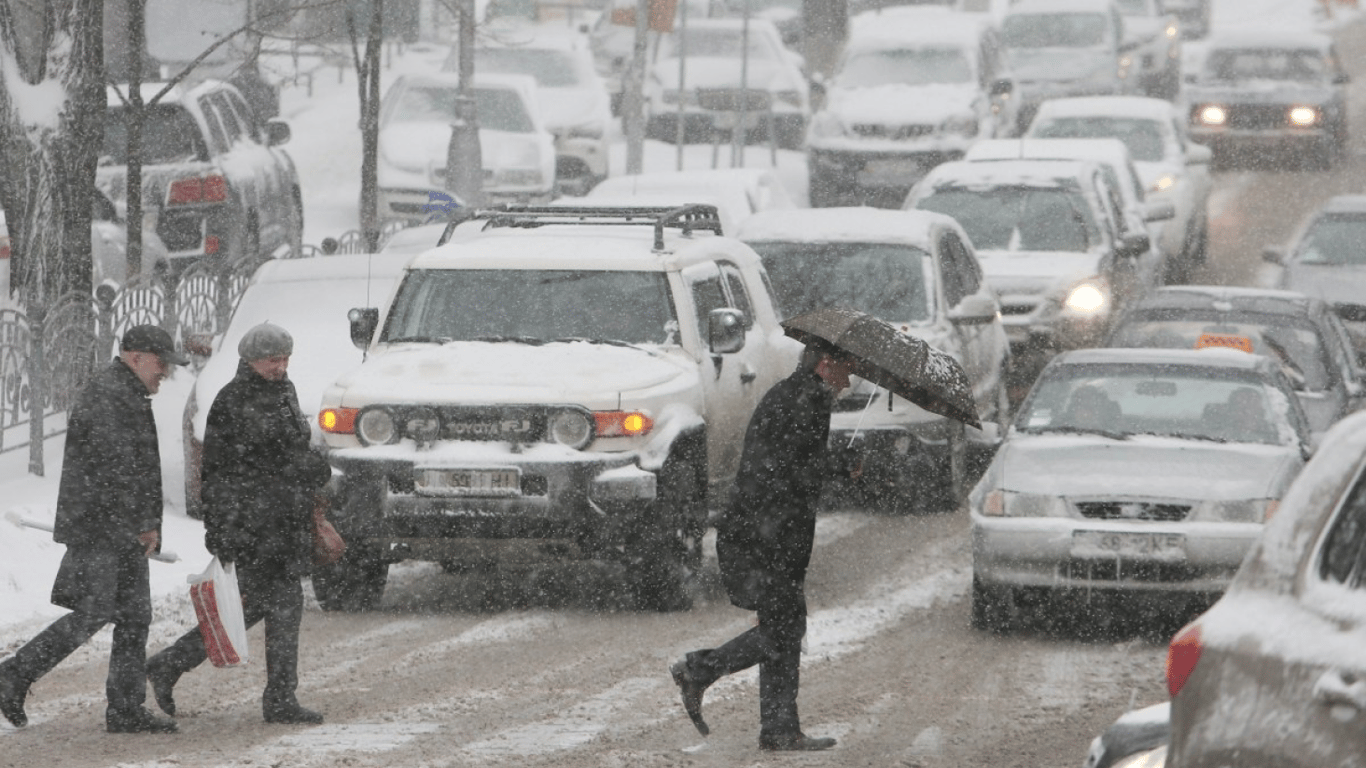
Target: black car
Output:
{"points": [[1302, 332], [1259, 91]]}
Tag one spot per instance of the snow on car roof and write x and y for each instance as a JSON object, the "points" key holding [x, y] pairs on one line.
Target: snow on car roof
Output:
{"points": [[1039, 173], [1110, 106], [1194, 358], [1059, 6], [1267, 300], [349, 266], [848, 225], [574, 246], [1270, 38], [1108, 151], [914, 26]]}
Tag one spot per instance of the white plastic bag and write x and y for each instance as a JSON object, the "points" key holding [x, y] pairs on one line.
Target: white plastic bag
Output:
{"points": [[218, 604]]}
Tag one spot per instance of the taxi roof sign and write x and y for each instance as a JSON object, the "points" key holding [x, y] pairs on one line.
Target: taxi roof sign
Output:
{"points": [[1224, 341]]}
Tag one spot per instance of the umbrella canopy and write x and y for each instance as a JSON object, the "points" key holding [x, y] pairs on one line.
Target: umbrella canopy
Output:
{"points": [[884, 355]]}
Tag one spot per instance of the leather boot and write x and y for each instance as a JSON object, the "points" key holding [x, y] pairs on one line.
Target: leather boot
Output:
{"points": [[289, 712], [137, 720], [691, 689], [163, 679], [13, 691], [794, 742]]}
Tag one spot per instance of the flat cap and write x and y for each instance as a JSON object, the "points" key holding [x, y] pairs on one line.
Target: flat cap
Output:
{"points": [[265, 340], [150, 338]]}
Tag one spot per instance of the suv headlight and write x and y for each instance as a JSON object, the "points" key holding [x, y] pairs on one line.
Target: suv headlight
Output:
{"points": [[1303, 117], [826, 126], [569, 427], [1164, 182], [1087, 298], [376, 426], [999, 503], [1211, 114]]}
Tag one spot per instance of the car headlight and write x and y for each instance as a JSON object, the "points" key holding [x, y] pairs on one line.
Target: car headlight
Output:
{"points": [[1001, 503], [570, 427], [376, 426], [422, 425], [1303, 117], [1164, 183], [1212, 114], [1241, 510], [965, 125], [1152, 758], [826, 126], [1087, 299]]}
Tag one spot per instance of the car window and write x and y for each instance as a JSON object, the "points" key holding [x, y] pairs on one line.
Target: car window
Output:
{"points": [[1142, 136], [960, 276], [739, 297], [1125, 399], [232, 126], [890, 281], [1343, 557], [531, 306], [169, 135], [497, 109], [1334, 239], [707, 294], [245, 115], [905, 66], [218, 137], [1234, 64], [1053, 30], [1018, 218]]}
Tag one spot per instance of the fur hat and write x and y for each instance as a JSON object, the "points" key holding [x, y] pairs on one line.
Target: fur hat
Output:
{"points": [[265, 340]]}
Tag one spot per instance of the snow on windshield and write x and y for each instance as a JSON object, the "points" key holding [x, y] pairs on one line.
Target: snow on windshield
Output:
{"points": [[907, 66], [1143, 137], [1018, 218], [889, 281], [1053, 30]]}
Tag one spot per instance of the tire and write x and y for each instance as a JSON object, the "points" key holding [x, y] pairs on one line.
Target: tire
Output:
{"points": [[664, 552], [356, 583], [991, 608]]}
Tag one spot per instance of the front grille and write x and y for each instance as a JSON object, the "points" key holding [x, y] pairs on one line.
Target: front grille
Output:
{"points": [[1132, 510], [1257, 116], [1118, 569], [513, 423], [892, 132], [1017, 309]]}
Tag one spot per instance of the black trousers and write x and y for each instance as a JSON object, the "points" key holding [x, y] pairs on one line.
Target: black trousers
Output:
{"points": [[269, 593], [116, 590], [775, 644]]}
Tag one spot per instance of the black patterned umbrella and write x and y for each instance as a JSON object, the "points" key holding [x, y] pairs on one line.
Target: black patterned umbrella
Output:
{"points": [[903, 364]]}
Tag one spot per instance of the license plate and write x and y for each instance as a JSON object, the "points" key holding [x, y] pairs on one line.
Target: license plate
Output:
{"points": [[468, 482], [1138, 546]]}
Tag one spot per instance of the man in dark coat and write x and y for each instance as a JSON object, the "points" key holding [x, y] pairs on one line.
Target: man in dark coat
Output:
{"points": [[109, 517], [261, 477], [763, 545]]}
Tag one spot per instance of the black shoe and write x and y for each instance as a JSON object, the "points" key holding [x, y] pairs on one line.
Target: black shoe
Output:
{"points": [[163, 680], [692, 691], [795, 742], [290, 713], [13, 691], [137, 720]]}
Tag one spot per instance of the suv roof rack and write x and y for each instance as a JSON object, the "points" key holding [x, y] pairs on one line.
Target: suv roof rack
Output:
{"points": [[687, 218]]}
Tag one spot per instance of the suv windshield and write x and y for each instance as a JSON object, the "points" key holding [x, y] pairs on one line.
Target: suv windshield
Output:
{"points": [[885, 280], [1053, 30], [539, 305], [497, 109], [169, 136], [715, 43], [1334, 239], [911, 66], [1143, 137], [551, 68], [1018, 218], [1266, 64], [1124, 400]]}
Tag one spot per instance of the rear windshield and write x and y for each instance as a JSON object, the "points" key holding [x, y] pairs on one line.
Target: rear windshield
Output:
{"points": [[169, 136], [888, 281], [1334, 239], [496, 108], [910, 66], [1019, 218], [1143, 137], [1266, 64], [1053, 30]]}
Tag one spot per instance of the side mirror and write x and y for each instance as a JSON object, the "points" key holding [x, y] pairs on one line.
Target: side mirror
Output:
{"points": [[1135, 244], [364, 321], [725, 331], [1002, 87], [974, 310], [1273, 254], [1199, 154], [277, 132], [1159, 210]]}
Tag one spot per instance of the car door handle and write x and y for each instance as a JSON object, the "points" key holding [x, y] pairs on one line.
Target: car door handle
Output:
{"points": [[1338, 688], [748, 374]]}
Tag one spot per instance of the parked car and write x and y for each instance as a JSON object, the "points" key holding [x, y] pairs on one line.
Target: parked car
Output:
{"points": [[517, 150], [738, 193], [915, 87], [1272, 674], [216, 184], [716, 69], [573, 97], [1060, 48], [1054, 243], [917, 271], [1270, 90], [322, 342], [552, 383], [1145, 473], [1136, 739], [1326, 258], [1300, 332], [1152, 39], [612, 38], [1171, 165]]}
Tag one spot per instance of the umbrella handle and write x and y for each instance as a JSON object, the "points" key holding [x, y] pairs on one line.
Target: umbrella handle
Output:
{"points": [[859, 425]]}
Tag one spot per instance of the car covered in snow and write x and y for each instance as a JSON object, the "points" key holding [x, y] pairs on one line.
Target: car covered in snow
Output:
{"points": [[737, 193], [217, 186], [1139, 473], [1270, 90], [1173, 168], [1152, 37], [552, 384], [1274, 674], [1326, 258], [1054, 241], [917, 271], [515, 146], [915, 87]]}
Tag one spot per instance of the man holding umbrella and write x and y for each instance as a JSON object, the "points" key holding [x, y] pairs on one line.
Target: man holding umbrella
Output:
{"points": [[764, 542], [765, 535]]}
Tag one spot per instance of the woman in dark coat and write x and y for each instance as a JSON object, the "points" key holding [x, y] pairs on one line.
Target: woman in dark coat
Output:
{"points": [[261, 477], [763, 545]]}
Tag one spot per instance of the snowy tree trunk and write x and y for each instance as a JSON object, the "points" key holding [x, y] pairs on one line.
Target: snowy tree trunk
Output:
{"points": [[51, 111]]}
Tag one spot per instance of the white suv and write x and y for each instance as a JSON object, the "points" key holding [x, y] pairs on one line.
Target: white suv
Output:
{"points": [[553, 383]]}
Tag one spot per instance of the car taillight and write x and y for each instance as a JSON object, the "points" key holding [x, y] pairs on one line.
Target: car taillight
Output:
{"points": [[4, 247], [339, 421], [210, 189], [1182, 655], [211, 244], [621, 423], [215, 189]]}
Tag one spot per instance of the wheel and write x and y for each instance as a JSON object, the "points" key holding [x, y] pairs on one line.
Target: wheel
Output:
{"points": [[991, 608], [355, 583], [664, 552]]}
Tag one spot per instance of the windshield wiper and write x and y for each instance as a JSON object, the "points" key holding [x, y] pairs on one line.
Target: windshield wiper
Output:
{"points": [[420, 340], [532, 340], [1189, 436], [1113, 435]]}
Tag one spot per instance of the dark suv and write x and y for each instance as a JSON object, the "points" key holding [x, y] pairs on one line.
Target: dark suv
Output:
{"points": [[214, 178]]}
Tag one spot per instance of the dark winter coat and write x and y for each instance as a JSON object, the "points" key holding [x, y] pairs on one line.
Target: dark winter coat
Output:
{"points": [[260, 474], [109, 492], [769, 524]]}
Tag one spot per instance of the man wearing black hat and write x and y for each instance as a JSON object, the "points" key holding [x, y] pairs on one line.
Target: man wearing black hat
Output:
{"points": [[109, 517], [260, 481]]}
